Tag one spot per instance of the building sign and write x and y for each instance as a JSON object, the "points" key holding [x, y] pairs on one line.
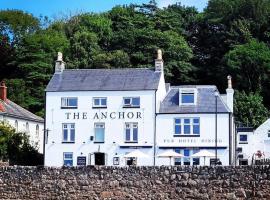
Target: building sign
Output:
{"points": [[81, 160], [192, 141], [103, 115]]}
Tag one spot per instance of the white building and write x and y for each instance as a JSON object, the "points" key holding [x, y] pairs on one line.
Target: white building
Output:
{"points": [[21, 119], [96, 116], [253, 144]]}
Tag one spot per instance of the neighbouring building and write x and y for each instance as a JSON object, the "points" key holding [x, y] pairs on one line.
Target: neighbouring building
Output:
{"points": [[21, 119], [97, 116], [253, 145]]}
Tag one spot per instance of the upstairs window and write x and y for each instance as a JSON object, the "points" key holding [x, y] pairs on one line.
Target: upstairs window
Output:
{"points": [[99, 102], [131, 131], [187, 98], [268, 134], [69, 102], [37, 131], [16, 126], [243, 138], [131, 102], [99, 132], [27, 127], [68, 133], [186, 126]]}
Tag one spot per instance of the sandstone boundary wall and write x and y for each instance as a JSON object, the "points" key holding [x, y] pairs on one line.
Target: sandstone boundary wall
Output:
{"points": [[92, 182]]}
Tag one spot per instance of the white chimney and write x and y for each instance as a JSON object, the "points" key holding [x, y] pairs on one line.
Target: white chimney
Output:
{"points": [[159, 62], [59, 63], [230, 93]]}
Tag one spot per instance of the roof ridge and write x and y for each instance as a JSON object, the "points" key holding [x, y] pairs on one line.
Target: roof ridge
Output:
{"points": [[20, 109], [136, 68]]}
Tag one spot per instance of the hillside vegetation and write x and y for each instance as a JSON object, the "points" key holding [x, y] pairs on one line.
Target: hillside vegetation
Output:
{"points": [[228, 37]]}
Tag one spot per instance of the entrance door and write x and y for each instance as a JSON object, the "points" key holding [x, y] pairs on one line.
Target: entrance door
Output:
{"points": [[99, 159], [243, 162]]}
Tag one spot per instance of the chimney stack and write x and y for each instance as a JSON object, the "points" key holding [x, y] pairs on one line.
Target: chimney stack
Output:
{"points": [[230, 93], [59, 63], [3, 91], [159, 62]]}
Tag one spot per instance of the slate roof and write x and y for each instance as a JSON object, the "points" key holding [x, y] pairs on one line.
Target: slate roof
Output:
{"points": [[11, 109], [104, 80], [205, 101]]}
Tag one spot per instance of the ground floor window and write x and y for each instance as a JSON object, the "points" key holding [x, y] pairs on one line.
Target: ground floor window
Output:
{"points": [[68, 159], [187, 159]]}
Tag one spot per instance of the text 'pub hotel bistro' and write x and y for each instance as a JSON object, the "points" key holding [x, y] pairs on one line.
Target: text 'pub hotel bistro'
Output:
{"points": [[96, 116]]}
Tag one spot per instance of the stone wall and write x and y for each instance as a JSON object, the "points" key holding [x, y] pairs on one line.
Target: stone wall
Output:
{"points": [[135, 183]]}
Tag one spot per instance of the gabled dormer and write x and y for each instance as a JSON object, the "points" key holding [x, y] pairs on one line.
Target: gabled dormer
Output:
{"points": [[187, 96]]}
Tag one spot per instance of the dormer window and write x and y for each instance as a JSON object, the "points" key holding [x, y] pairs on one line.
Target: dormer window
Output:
{"points": [[187, 96]]}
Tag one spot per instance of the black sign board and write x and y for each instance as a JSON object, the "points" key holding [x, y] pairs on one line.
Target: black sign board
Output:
{"points": [[81, 160]]}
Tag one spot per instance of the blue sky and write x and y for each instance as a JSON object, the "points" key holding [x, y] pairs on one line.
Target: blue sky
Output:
{"points": [[54, 8]]}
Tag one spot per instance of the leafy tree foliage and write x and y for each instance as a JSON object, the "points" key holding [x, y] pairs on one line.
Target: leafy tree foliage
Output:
{"points": [[16, 148], [249, 109], [250, 65], [228, 37]]}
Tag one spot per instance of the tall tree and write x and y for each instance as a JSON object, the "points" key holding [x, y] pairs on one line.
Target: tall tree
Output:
{"points": [[250, 65], [249, 109]]}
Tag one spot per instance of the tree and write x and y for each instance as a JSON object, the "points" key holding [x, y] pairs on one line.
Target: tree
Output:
{"points": [[35, 60], [249, 109], [16, 147], [250, 65], [16, 24]]}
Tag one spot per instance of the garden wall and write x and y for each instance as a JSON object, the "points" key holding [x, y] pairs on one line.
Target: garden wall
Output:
{"points": [[135, 183]]}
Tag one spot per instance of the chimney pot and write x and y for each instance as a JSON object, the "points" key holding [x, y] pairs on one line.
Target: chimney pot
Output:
{"points": [[229, 82], [159, 61], [230, 93], [3, 91], [59, 63], [159, 54]]}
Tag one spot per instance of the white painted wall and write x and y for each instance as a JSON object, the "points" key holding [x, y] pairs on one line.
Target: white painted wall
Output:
{"points": [[114, 128], [36, 138], [257, 140], [165, 135]]}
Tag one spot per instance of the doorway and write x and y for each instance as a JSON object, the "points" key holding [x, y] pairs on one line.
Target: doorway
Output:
{"points": [[99, 158]]}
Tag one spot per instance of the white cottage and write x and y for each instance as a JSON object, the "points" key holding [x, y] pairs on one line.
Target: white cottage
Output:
{"points": [[97, 116], [253, 144], [21, 119]]}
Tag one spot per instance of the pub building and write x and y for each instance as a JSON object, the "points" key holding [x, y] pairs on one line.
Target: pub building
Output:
{"points": [[97, 116]]}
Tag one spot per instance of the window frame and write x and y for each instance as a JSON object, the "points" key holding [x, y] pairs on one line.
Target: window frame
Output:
{"points": [[96, 124], [187, 91], [69, 128], [131, 104], [241, 141], [191, 125], [37, 131], [131, 133], [65, 102], [183, 94], [67, 159], [100, 104], [27, 129]]}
